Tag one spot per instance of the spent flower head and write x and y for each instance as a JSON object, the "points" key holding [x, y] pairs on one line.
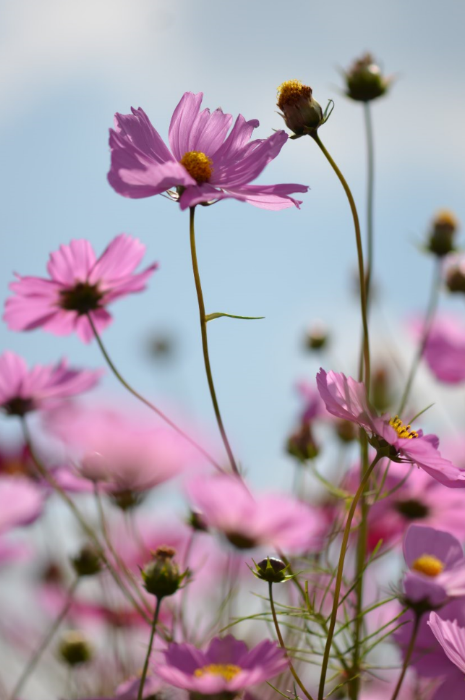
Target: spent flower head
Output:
{"points": [[443, 229], [302, 114]]}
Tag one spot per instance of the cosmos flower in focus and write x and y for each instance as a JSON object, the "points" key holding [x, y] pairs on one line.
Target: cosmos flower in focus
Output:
{"points": [[44, 386], [346, 398], [247, 521], [80, 284], [205, 163], [436, 567], [227, 666]]}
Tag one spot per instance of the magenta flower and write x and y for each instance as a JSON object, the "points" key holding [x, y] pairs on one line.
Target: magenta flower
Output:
{"points": [[227, 666], [451, 637], [415, 499], [444, 351], [246, 521], [79, 284], [43, 386], [345, 398], [205, 163], [436, 567], [21, 502]]}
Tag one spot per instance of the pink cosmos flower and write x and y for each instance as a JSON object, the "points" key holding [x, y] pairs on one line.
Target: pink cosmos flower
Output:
{"points": [[451, 637], [43, 386], [21, 502], [227, 666], [246, 521], [436, 566], [444, 351], [122, 452], [415, 499], [205, 163], [345, 398], [79, 284]]}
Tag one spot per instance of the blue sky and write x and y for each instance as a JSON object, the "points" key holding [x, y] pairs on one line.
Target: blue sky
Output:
{"points": [[66, 67]]}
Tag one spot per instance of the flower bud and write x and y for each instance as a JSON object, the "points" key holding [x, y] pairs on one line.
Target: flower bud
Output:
{"points": [[346, 430], [197, 522], [74, 649], [301, 444], [455, 275], [301, 113], [380, 389], [87, 562], [272, 570], [364, 80], [316, 337], [442, 234], [161, 576]]}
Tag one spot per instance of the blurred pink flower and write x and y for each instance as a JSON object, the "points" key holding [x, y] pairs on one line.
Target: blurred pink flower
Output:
{"points": [[247, 521], [415, 498], [227, 666], [21, 502], [123, 452], [345, 398], [204, 163], [436, 567], [79, 284], [444, 351], [43, 386], [451, 637]]}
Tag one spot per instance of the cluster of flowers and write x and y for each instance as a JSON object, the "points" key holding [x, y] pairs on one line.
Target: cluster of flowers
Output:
{"points": [[166, 590]]}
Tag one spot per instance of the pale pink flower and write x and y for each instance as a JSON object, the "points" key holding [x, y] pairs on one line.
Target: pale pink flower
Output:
{"points": [[44, 386], [79, 284], [444, 351], [21, 502], [205, 163]]}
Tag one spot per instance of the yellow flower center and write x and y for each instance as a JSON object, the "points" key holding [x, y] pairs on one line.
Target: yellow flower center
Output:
{"points": [[428, 565], [291, 92], [198, 165], [226, 671], [402, 430]]}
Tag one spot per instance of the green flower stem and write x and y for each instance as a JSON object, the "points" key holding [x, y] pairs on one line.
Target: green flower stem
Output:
{"points": [[340, 569], [370, 196], [37, 655], [282, 645], [429, 318], [149, 650], [408, 656], [203, 329], [145, 401], [82, 521], [361, 268]]}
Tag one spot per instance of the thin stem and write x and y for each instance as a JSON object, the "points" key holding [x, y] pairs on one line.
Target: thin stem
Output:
{"points": [[82, 521], [370, 195], [149, 650], [37, 655], [361, 267], [203, 330], [408, 656], [281, 643], [429, 318], [340, 569], [145, 401]]}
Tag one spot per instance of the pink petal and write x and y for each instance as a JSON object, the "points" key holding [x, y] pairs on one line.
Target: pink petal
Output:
{"points": [[273, 197], [420, 540], [13, 370], [120, 258], [202, 193], [149, 180], [137, 128], [209, 131], [237, 139], [71, 263], [231, 173], [451, 637], [182, 122]]}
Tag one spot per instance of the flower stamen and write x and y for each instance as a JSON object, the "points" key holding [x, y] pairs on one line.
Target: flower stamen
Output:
{"points": [[198, 165], [428, 565], [83, 297], [402, 430], [226, 671], [291, 92]]}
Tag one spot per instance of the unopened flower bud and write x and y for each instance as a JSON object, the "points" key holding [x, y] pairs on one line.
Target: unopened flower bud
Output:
{"points": [[301, 113], [380, 393], [74, 648], [364, 80], [316, 337], [455, 275], [197, 522], [272, 570], [346, 430], [442, 234], [301, 444], [87, 562], [161, 576]]}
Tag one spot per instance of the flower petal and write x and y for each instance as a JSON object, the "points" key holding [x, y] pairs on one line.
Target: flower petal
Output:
{"points": [[451, 637], [71, 263], [273, 197], [182, 122], [137, 128]]}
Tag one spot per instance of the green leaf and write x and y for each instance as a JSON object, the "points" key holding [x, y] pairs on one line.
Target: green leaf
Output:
{"points": [[210, 317]]}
